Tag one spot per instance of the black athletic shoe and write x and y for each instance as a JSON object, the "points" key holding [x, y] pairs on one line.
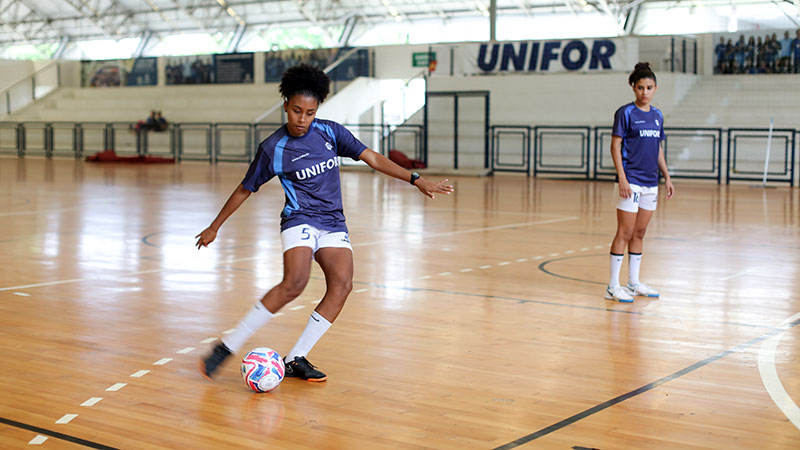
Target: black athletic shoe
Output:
{"points": [[301, 368], [211, 363]]}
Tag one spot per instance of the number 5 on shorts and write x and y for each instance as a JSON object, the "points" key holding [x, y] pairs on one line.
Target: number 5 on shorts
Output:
{"points": [[304, 236]]}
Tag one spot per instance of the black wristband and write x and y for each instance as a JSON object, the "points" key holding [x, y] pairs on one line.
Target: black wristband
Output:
{"points": [[414, 177]]}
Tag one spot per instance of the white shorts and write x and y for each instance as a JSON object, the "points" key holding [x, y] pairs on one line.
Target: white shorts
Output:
{"points": [[313, 238], [644, 197]]}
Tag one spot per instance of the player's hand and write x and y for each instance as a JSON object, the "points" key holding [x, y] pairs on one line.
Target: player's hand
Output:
{"points": [[430, 187], [206, 237], [670, 188], [625, 190]]}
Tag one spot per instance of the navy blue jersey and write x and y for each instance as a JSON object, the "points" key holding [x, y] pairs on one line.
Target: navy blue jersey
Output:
{"points": [[641, 134], [308, 167]]}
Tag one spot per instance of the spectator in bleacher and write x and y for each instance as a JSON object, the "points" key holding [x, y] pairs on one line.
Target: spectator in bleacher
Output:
{"points": [[786, 51], [771, 51], [762, 67], [795, 50], [720, 52], [759, 50], [750, 52], [161, 123], [740, 51], [749, 69]]}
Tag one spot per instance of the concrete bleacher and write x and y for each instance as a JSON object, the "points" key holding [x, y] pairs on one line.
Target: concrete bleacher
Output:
{"points": [[740, 101], [197, 103]]}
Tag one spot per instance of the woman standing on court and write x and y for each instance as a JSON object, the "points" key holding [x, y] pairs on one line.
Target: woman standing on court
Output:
{"points": [[637, 148], [304, 155]]}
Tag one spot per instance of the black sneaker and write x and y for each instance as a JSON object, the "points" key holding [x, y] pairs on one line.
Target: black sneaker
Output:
{"points": [[301, 368], [211, 363]]}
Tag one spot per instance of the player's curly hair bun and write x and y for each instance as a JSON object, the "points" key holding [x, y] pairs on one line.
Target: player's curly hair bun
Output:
{"points": [[641, 71], [306, 80]]}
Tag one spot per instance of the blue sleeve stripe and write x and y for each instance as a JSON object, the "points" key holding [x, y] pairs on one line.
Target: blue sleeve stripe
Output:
{"points": [[277, 163], [327, 129]]}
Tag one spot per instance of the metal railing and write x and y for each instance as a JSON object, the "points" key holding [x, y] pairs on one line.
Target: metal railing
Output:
{"points": [[31, 88], [695, 153]]}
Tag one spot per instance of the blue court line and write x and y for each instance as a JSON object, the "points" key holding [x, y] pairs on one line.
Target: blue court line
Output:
{"points": [[55, 434], [648, 387]]}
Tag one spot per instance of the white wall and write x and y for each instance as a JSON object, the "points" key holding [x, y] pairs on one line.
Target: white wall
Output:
{"points": [[14, 71]]}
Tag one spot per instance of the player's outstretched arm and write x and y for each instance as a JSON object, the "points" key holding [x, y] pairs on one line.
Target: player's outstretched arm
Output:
{"points": [[236, 199], [386, 166]]}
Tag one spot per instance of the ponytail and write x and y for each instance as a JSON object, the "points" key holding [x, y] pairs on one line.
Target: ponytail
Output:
{"points": [[641, 71]]}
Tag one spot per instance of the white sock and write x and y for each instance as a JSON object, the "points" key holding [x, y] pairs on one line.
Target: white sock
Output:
{"points": [[616, 265], [255, 319], [316, 327], [634, 262]]}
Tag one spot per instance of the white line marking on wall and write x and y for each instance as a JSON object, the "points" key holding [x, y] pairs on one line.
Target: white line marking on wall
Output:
{"points": [[162, 361], [769, 374], [116, 387], [92, 401], [66, 418], [38, 440], [185, 350], [140, 373]]}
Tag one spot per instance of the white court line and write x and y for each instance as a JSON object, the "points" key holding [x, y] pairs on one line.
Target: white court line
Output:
{"points": [[22, 294], [66, 418], [465, 270], [569, 252], [208, 340], [185, 350], [554, 254], [522, 259], [116, 387], [358, 291], [537, 257], [38, 211], [769, 374], [162, 361], [229, 331], [362, 244], [295, 308], [140, 373], [92, 401], [38, 440], [487, 266], [426, 277], [736, 275], [504, 263], [444, 274], [77, 280], [584, 249]]}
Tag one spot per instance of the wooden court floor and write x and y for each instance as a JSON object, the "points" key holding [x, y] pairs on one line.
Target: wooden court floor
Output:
{"points": [[477, 321]]}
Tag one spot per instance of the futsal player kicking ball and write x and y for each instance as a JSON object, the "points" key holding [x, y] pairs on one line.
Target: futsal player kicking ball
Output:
{"points": [[304, 155], [637, 148]]}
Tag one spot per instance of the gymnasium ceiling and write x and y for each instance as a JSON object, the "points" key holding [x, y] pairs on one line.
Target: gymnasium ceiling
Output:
{"points": [[40, 21]]}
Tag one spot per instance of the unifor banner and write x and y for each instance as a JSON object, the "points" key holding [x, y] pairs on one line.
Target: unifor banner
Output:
{"points": [[577, 55], [119, 72]]}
